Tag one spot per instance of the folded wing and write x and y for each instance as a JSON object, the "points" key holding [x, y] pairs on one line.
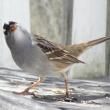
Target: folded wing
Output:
{"points": [[55, 52]]}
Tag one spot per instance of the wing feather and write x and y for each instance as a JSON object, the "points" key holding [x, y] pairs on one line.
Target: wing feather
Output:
{"points": [[55, 52]]}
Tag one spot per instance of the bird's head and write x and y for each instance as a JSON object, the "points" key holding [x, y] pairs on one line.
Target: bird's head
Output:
{"points": [[10, 27]]}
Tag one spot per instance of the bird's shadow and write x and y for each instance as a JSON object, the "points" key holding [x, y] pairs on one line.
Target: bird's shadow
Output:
{"points": [[72, 98]]}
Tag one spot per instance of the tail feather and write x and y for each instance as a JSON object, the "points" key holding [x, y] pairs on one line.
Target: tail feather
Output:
{"points": [[97, 41], [78, 49]]}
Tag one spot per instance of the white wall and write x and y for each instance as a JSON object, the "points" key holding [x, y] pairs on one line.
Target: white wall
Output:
{"points": [[12, 10], [89, 22]]}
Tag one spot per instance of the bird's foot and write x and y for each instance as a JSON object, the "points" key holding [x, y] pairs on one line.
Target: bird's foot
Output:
{"points": [[26, 91], [70, 98], [23, 93], [67, 94]]}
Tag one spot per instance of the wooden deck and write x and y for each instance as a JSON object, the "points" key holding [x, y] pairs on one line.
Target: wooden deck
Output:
{"points": [[84, 94]]}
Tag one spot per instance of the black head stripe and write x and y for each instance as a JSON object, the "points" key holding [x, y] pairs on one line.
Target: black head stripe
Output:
{"points": [[11, 23]]}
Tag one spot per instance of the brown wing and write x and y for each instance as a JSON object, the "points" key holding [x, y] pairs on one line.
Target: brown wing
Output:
{"points": [[55, 52]]}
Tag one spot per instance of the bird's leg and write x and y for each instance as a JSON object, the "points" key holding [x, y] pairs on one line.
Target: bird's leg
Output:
{"points": [[66, 85], [26, 91]]}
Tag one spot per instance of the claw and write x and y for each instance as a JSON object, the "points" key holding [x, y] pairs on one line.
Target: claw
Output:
{"points": [[23, 93], [26, 91]]}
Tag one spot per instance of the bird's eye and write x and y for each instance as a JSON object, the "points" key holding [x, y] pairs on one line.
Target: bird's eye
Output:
{"points": [[12, 28]]}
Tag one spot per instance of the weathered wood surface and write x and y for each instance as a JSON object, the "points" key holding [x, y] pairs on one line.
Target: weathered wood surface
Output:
{"points": [[92, 95]]}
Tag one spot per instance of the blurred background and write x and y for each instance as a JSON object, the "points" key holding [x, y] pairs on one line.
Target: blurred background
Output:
{"points": [[65, 22]]}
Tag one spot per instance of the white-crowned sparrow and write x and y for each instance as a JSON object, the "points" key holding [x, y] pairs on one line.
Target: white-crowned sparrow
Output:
{"points": [[35, 54]]}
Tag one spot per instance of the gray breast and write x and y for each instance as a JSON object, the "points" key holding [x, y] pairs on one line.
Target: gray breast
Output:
{"points": [[28, 56]]}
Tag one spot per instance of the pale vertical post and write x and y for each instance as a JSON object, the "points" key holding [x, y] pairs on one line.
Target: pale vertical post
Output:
{"points": [[12, 10], [107, 65], [89, 22]]}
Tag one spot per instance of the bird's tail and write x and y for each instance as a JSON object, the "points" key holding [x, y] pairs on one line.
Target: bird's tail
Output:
{"points": [[97, 41], [78, 49]]}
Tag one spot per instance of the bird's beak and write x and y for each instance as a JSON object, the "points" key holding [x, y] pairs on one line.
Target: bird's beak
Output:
{"points": [[6, 28]]}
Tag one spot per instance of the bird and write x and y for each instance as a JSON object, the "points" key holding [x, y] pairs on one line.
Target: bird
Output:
{"points": [[35, 54]]}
